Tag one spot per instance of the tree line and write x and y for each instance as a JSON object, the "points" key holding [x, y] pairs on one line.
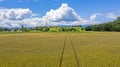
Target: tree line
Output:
{"points": [[75, 28], [109, 26]]}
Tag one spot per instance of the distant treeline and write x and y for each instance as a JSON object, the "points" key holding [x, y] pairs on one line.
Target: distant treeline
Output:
{"points": [[109, 26], [75, 28]]}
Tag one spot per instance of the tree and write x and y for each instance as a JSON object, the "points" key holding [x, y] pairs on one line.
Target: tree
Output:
{"points": [[109, 26], [118, 18]]}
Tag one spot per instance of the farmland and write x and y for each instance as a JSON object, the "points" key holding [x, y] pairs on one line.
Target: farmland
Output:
{"points": [[94, 49]]}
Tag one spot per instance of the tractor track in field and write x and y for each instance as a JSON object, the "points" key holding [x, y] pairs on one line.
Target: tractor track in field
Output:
{"points": [[63, 50], [75, 54]]}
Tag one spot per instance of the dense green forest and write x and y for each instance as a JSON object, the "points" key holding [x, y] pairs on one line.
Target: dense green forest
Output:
{"points": [[109, 26]]}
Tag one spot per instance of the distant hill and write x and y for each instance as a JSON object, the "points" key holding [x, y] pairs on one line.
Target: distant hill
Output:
{"points": [[109, 26]]}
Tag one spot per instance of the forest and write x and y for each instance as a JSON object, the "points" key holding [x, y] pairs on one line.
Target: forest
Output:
{"points": [[109, 26]]}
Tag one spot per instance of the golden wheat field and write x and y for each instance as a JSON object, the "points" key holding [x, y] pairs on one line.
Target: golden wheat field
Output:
{"points": [[94, 49]]}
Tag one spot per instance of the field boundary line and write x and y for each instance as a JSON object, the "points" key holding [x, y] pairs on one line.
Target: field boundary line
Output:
{"points": [[75, 54], [63, 50]]}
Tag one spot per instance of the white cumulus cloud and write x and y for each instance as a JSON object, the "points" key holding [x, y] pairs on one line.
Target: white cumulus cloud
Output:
{"points": [[15, 14], [93, 17], [64, 14], [18, 17]]}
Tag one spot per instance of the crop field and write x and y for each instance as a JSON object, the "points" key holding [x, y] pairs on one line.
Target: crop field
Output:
{"points": [[94, 49]]}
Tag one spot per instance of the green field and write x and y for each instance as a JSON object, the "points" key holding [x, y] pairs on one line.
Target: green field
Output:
{"points": [[94, 49]]}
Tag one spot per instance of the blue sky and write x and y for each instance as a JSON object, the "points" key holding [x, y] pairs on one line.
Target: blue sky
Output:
{"points": [[98, 10], [82, 7]]}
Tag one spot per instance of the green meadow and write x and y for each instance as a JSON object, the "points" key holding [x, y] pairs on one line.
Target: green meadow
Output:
{"points": [[94, 49]]}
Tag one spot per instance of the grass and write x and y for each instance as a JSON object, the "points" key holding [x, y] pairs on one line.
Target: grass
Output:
{"points": [[95, 49], [98, 49]]}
